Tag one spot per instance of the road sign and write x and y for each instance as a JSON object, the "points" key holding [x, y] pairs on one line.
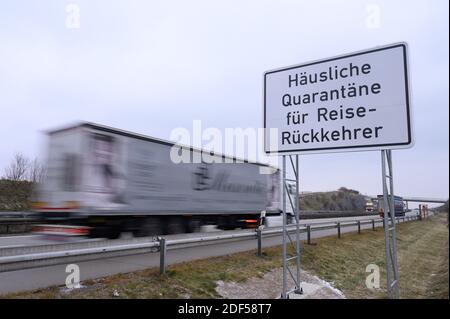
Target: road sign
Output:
{"points": [[353, 102]]}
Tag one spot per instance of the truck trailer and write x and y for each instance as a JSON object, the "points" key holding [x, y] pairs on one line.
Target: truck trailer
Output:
{"points": [[399, 206], [103, 181]]}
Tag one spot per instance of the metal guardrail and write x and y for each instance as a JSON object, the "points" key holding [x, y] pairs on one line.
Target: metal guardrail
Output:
{"points": [[16, 221], [9, 216], [16, 258]]}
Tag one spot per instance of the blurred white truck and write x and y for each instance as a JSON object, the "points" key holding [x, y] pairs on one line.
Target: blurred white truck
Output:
{"points": [[102, 181]]}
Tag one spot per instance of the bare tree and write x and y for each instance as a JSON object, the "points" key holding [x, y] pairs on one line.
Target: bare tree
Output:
{"points": [[36, 172], [17, 169]]}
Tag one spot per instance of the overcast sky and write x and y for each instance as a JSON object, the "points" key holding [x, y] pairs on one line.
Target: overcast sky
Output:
{"points": [[152, 66]]}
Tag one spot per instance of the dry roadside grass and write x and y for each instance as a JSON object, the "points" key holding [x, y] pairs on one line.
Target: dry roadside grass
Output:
{"points": [[422, 258], [422, 252]]}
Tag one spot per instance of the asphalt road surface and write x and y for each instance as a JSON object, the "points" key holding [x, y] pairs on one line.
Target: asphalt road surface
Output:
{"points": [[28, 279]]}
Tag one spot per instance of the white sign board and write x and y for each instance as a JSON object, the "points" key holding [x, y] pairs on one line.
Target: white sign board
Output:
{"points": [[353, 102]]}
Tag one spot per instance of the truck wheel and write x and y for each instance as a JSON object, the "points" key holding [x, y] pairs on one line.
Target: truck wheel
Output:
{"points": [[149, 226], [193, 225], [113, 232], [227, 223], [96, 232], [175, 225]]}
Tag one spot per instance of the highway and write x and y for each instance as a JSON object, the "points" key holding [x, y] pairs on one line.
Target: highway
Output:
{"points": [[24, 240], [33, 278]]}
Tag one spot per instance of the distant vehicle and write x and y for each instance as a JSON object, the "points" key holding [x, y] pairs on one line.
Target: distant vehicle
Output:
{"points": [[103, 181], [369, 206], [399, 206]]}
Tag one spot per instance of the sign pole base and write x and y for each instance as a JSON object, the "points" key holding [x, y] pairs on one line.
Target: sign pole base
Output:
{"points": [[389, 225], [294, 242]]}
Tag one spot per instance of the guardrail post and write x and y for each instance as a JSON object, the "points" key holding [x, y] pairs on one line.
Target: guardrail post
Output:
{"points": [[339, 229], [162, 255], [373, 224], [308, 230], [259, 240], [359, 227]]}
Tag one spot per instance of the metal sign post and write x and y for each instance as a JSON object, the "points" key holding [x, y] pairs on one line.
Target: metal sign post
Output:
{"points": [[286, 236], [389, 226]]}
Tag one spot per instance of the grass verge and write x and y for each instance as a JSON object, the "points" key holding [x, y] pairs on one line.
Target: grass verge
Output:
{"points": [[422, 259]]}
